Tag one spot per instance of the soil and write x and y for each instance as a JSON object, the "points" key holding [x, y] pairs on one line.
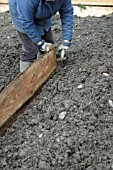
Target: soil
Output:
{"points": [[79, 91]]}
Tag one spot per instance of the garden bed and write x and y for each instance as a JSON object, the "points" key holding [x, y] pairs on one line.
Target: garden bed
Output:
{"points": [[69, 125]]}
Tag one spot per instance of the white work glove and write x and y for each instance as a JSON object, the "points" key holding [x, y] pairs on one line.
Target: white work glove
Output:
{"points": [[43, 46], [63, 49]]}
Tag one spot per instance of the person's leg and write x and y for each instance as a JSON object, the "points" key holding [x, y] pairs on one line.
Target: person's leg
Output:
{"points": [[29, 51], [48, 36]]}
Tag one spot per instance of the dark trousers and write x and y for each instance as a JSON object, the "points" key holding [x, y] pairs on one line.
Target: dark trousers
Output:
{"points": [[29, 48]]}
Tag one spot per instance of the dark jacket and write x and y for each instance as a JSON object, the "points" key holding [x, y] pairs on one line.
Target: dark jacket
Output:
{"points": [[32, 17]]}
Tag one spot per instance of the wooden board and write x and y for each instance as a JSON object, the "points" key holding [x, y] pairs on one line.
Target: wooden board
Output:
{"points": [[93, 2], [4, 1], [85, 2], [92, 11], [24, 87], [4, 7]]}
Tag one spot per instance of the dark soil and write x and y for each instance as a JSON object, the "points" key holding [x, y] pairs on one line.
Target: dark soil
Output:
{"points": [[83, 139]]}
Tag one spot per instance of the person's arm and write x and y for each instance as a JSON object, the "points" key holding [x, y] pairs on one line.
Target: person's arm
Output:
{"points": [[26, 12], [66, 15]]}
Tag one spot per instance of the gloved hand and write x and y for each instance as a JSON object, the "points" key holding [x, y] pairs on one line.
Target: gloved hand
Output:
{"points": [[63, 48], [43, 46]]}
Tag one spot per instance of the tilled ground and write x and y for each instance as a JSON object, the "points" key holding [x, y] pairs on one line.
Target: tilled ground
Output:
{"points": [[78, 89]]}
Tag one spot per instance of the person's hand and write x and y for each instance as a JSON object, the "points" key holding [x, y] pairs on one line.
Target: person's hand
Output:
{"points": [[43, 46], [63, 49]]}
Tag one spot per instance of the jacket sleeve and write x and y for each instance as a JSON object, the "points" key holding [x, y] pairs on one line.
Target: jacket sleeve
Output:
{"points": [[26, 12], [66, 15]]}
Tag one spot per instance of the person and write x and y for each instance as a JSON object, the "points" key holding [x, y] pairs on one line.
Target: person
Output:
{"points": [[33, 21]]}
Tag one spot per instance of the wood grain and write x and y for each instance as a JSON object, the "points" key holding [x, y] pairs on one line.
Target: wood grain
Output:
{"points": [[24, 87], [93, 2]]}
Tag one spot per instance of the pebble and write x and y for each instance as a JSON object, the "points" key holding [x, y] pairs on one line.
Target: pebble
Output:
{"points": [[40, 135], [80, 86], [62, 115], [106, 74], [110, 103]]}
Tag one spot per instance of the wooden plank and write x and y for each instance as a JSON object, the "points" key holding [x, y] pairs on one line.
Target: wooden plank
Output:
{"points": [[93, 2], [4, 7], [92, 11], [24, 87], [85, 2], [4, 1]]}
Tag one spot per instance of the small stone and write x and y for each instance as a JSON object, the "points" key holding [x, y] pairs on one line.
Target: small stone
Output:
{"points": [[110, 103], [89, 168], [62, 115], [80, 86], [40, 136], [80, 69], [106, 74], [58, 140]]}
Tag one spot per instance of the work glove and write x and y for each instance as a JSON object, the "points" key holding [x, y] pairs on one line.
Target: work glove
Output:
{"points": [[62, 49], [43, 46]]}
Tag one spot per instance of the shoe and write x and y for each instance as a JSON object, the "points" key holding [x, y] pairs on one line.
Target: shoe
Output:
{"points": [[24, 65]]}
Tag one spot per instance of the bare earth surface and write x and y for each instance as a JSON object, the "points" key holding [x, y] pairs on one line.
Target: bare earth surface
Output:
{"points": [[79, 90]]}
